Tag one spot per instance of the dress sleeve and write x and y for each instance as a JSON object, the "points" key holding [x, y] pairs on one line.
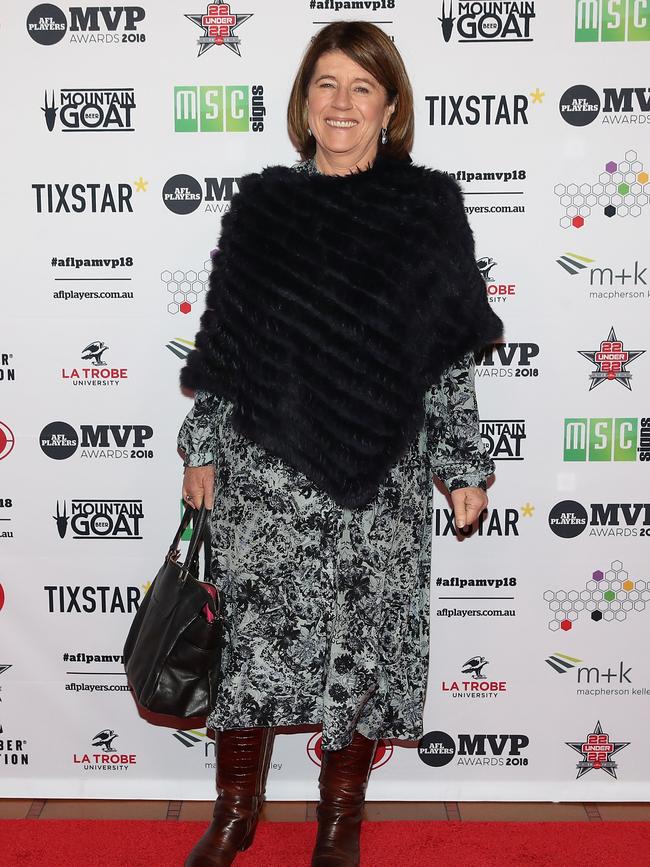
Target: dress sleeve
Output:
{"points": [[198, 434], [458, 454]]}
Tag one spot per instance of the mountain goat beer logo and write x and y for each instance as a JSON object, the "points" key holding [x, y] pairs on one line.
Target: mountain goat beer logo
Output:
{"points": [[90, 109], [596, 752], [487, 21], [218, 24]]}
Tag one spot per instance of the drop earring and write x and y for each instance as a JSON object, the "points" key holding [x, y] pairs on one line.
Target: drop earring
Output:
{"points": [[384, 135], [309, 132]]}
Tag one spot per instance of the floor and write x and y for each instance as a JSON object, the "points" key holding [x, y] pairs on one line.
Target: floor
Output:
{"points": [[305, 811]]}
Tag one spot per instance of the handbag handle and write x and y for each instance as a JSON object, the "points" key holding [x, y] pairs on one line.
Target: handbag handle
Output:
{"points": [[200, 536]]}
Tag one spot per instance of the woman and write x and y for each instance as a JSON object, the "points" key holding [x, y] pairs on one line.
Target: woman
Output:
{"points": [[333, 377]]}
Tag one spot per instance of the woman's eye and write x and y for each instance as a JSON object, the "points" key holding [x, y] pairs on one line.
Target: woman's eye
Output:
{"points": [[326, 84], [363, 89]]}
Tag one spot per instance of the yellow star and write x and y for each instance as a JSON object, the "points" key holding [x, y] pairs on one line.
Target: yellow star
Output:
{"points": [[527, 510], [538, 95], [141, 185], [146, 586]]}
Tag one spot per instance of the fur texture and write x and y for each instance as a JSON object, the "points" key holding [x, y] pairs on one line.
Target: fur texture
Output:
{"points": [[334, 303]]}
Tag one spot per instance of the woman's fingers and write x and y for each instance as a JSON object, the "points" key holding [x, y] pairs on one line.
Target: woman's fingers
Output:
{"points": [[198, 485], [468, 504]]}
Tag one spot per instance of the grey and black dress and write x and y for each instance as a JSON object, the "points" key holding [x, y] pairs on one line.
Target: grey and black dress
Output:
{"points": [[328, 607]]}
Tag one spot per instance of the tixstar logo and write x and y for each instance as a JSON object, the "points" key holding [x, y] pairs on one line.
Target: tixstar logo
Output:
{"points": [[475, 684], [99, 372], [491, 109], [569, 519], [607, 596], [507, 360], [621, 190], [107, 757], [47, 24], [580, 105], [610, 277], [185, 288], [218, 24], [596, 752], [611, 361], [7, 440], [491, 522], [59, 440], [7, 370], [85, 198], [496, 291], [219, 108], [503, 438], [383, 752], [606, 439], [183, 194], [99, 519], [92, 599], [486, 20], [438, 749], [612, 21], [83, 109]]}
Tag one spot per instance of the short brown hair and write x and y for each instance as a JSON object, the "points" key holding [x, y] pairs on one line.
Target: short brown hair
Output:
{"points": [[375, 52]]}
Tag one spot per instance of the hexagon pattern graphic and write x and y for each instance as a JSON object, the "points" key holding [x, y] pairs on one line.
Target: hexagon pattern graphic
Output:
{"points": [[185, 288], [607, 596], [621, 190]]}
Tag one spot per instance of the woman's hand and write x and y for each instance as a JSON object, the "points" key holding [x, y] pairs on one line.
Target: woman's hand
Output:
{"points": [[198, 486], [468, 504]]}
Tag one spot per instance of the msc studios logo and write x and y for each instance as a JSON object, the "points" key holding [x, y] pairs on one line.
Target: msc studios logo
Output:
{"points": [[612, 21], [606, 439], [219, 108], [486, 21], [47, 24], [218, 24]]}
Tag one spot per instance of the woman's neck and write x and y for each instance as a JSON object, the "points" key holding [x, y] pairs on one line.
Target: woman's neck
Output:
{"points": [[340, 165]]}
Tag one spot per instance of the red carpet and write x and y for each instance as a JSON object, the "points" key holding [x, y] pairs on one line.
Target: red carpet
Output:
{"points": [[50, 843]]}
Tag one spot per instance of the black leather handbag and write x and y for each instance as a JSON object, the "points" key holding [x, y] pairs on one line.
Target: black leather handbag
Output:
{"points": [[172, 653]]}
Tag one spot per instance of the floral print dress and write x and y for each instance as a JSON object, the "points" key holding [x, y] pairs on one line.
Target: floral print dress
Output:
{"points": [[328, 607]]}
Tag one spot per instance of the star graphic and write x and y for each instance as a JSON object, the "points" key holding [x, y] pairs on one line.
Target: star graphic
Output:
{"points": [[611, 361], [527, 510], [207, 21], [597, 752], [141, 185], [538, 95], [146, 586]]}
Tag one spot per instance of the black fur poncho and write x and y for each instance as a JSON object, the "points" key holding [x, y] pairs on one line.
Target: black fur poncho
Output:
{"points": [[335, 301]]}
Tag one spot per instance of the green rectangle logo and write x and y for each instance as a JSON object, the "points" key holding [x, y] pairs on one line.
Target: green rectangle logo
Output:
{"points": [[626, 432], [575, 439], [600, 439], [612, 21]]}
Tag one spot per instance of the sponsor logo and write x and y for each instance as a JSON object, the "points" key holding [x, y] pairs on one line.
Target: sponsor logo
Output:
{"points": [[580, 105], [621, 190], [491, 522], [185, 288], [487, 21], [190, 738], [183, 194], [90, 109], [596, 680], [6, 532], [47, 24], [612, 21], [609, 277], [611, 361], [569, 519], [96, 198], [503, 360], [503, 438], [496, 291], [89, 274], [59, 440], [7, 440], [7, 370], [484, 591], [107, 757], [180, 347], [99, 372], [92, 599], [13, 750], [499, 185], [606, 439], [99, 519], [218, 24], [95, 665], [383, 752], [492, 109], [596, 752], [438, 749], [476, 683], [219, 108], [606, 596]]}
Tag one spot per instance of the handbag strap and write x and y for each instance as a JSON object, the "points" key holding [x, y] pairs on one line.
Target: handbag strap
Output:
{"points": [[200, 537]]}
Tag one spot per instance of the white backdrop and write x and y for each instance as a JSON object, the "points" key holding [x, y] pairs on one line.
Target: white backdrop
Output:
{"points": [[539, 109]]}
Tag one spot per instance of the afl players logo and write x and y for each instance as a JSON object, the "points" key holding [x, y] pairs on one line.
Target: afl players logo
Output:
{"points": [[315, 752]]}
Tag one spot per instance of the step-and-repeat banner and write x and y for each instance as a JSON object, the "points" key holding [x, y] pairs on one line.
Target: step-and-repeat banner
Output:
{"points": [[125, 130]]}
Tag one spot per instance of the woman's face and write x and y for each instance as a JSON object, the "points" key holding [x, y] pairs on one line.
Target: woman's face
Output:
{"points": [[347, 107]]}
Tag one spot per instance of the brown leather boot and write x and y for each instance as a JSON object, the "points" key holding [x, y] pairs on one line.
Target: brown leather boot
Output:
{"points": [[343, 780], [243, 758]]}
